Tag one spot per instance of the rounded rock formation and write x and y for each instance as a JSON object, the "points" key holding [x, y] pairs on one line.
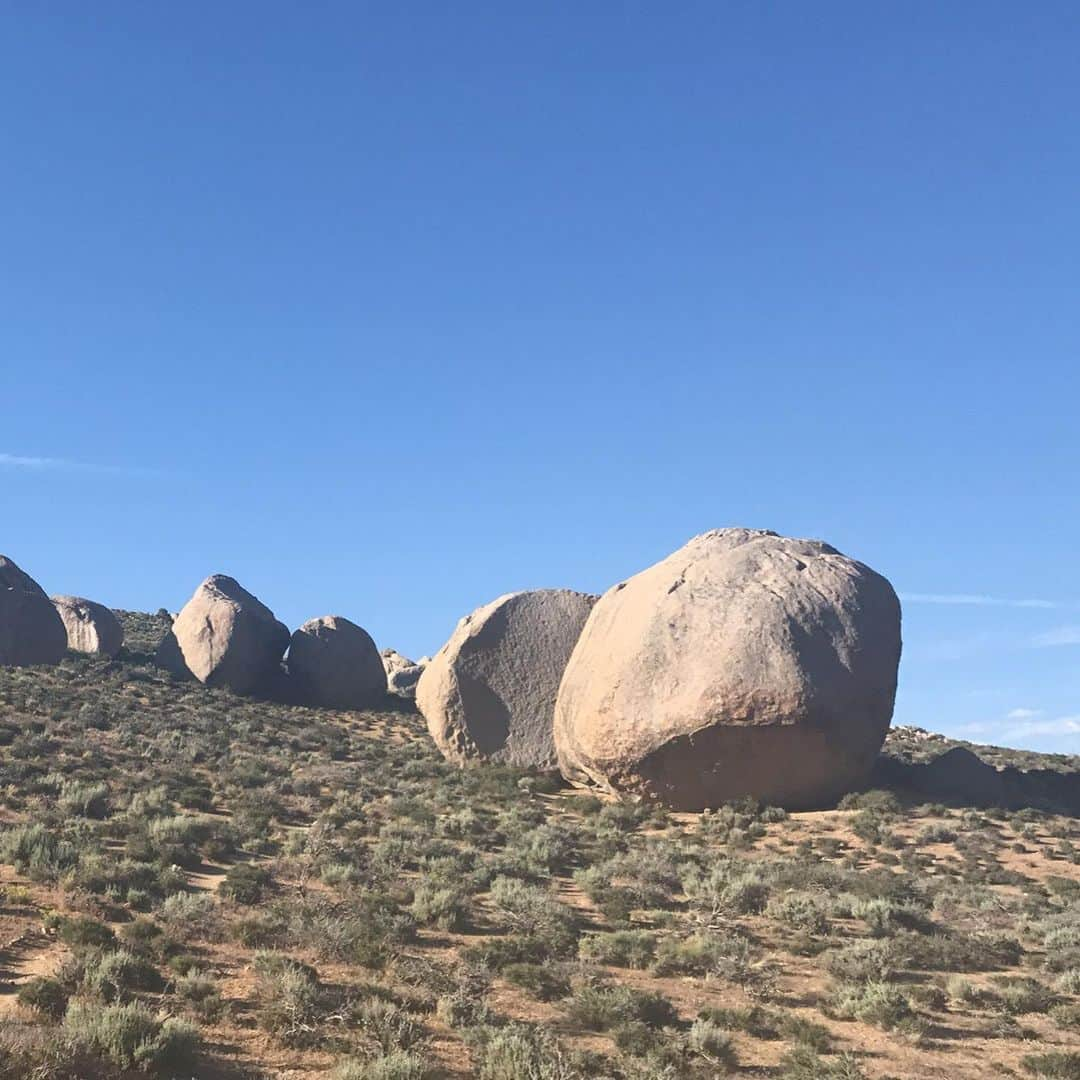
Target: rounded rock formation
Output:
{"points": [[489, 693], [91, 628], [31, 631], [226, 637], [402, 674], [335, 664], [745, 664]]}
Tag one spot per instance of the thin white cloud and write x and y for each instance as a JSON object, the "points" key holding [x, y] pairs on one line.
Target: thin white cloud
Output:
{"points": [[1062, 725], [47, 464], [973, 600], [17, 461], [945, 598], [1061, 635], [1023, 714]]}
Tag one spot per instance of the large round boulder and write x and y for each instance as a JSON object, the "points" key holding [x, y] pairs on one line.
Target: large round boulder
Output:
{"points": [[30, 628], [91, 628], [745, 664], [335, 664], [402, 674], [226, 637], [489, 693]]}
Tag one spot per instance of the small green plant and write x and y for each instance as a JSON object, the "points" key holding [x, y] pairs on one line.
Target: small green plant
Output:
{"points": [[520, 1052], [246, 883], [390, 1065], [130, 1036], [1057, 1065], [540, 980], [45, 995], [600, 1008], [620, 948], [115, 975], [713, 1043], [879, 1003]]}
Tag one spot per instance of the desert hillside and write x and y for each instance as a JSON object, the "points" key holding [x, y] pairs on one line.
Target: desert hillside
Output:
{"points": [[198, 884]]}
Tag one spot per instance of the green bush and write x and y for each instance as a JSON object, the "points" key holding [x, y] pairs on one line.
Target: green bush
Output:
{"points": [[534, 912], [190, 916], [1023, 995], [200, 991], [35, 851], [388, 1025], [802, 911], [44, 994], [701, 953], [539, 980], [879, 1003], [130, 1036], [1058, 1065], [519, 1052], [621, 948], [81, 932], [246, 883], [599, 1008], [113, 976], [444, 906], [863, 961], [289, 998], [803, 1063], [713, 1043], [391, 1065]]}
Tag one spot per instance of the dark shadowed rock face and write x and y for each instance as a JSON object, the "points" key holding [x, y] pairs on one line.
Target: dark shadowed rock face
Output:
{"points": [[489, 693], [91, 628], [334, 663], [226, 637], [745, 664], [962, 777], [31, 631]]}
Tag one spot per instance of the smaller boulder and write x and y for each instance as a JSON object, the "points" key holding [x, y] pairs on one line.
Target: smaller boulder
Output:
{"points": [[226, 637], [402, 674], [31, 631], [489, 692], [333, 663], [91, 628]]}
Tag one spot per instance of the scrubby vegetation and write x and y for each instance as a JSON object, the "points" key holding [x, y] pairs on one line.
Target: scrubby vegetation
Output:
{"points": [[195, 884]]}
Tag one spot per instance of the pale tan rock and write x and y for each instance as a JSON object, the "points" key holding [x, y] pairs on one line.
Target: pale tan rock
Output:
{"points": [[225, 637], [489, 693], [402, 674], [745, 664], [91, 628], [334, 663], [31, 631]]}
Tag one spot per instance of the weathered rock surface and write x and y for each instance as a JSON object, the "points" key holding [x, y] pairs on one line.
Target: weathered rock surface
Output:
{"points": [[745, 664], [91, 628], [402, 674], [489, 693], [226, 637], [31, 631], [335, 664]]}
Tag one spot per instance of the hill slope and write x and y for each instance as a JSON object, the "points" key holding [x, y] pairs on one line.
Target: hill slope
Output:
{"points": [[305, 892]]}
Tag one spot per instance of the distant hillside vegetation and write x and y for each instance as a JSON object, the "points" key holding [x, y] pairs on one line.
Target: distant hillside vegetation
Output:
{"points": [[142, 631]]}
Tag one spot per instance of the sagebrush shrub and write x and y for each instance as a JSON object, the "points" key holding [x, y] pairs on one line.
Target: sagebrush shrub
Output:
{"points": [[620, 948]]}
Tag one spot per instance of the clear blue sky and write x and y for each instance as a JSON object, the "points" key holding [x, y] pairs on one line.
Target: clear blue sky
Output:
{"points": [[386, 311]]}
